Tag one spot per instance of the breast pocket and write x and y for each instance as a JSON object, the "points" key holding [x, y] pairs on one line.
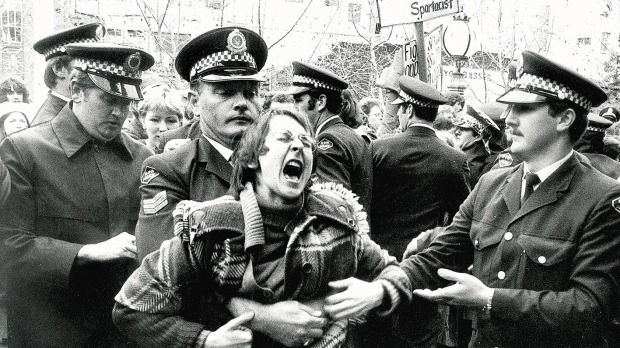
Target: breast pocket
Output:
{"points": [[546, 262], [485, 238]]}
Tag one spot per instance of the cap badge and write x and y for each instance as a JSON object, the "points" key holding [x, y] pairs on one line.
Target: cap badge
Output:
{"points": [[519, 66], [99, 33], [132, 63], [236, 42]]}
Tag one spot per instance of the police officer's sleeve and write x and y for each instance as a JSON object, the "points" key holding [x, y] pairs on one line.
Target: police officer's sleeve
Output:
{"points": [[334, 161], [161, 189], [44, 259]]}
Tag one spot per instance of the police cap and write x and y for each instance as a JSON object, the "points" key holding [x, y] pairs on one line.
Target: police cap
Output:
{"points": [[475, 119], [418, 93], [611, 114], [115, 69], [307, 76], [54, 45], [540, 80], [223, 54], [597, 123]]}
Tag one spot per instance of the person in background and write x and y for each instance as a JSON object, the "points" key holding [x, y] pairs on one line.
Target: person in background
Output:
{"points": [[456, 101], [372, 113], [343, 156], [288, 242], [66, 229], [278, 100], [473, 131], [389, 82], [351, 116], [59, 66], [161, 110], [542, 235], [14, 90], [444, 125], [592, 146], [13, 118]]}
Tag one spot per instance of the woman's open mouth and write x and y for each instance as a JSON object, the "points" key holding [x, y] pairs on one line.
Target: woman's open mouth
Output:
{"points": [[292, 170]]}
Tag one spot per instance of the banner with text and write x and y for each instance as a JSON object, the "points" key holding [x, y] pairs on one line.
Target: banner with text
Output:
{"points": [[394, 12], [432, 44]]}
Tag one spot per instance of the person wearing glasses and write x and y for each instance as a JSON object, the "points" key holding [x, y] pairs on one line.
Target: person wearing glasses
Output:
{"points": [[275, 239]]}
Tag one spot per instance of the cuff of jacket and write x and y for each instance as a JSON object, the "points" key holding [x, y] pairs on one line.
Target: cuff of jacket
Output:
{"points": [[397, 287], [201, 340], [502, 305]]}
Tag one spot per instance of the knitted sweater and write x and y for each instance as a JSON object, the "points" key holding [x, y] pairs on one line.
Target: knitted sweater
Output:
{"points": [[214, 244]]}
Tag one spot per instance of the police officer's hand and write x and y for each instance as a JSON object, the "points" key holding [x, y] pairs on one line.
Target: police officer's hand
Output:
{"points": [[234, 334], [468, 290], [122, 246], [354, 298], [291, 323], [175, 143]]}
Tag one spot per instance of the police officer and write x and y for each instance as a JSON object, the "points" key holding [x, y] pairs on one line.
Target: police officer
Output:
{"points": [[419, 183], [66, 228], [59, 66], [473, 133], [342, 155], [222, 66], [591, 145], [542, 235]]}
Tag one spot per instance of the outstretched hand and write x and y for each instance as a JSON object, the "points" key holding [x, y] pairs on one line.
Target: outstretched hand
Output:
{"points": [[354, 298], [467, 291], [233, 334]]}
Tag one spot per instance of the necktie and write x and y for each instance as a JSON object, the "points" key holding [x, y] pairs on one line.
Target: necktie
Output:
{"points": [[531, 180]]}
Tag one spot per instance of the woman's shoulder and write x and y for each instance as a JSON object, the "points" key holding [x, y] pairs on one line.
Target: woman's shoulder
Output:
{"points": [[335, 202], [224, 213]]}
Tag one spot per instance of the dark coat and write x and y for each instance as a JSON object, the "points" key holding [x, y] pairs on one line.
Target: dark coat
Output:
{"points": [[67, 190], [553, 262], [418, 181], [195, 171], [49, 109], [477, 161], [344, 157]]}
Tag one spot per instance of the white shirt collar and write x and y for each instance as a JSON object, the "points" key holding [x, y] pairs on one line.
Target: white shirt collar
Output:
{"points": [[60, 96], [223, 150], [423, 125], [545, 172]]}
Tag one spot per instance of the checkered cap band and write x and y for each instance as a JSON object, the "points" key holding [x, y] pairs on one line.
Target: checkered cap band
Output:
{"points": [[560, 91], [596, 129], [316, 83], [409, 99], [212, 61], [463, 119], [101, 66], [61, 46]]}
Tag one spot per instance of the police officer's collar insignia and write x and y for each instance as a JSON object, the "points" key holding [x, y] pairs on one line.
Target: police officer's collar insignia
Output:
{"points": [[148, 174], [325, 144], [132, 63], [505, 159], [616, 204], [236, 42]]}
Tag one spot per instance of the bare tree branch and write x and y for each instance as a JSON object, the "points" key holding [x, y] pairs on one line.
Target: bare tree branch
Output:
{"points": [[293, 26]]}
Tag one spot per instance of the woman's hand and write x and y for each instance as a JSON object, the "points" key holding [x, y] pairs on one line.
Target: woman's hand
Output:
{"points": [[354, 298], [233, 334]]}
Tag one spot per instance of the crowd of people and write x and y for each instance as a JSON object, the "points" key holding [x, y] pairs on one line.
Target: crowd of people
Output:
{"points": [[134, 214]]}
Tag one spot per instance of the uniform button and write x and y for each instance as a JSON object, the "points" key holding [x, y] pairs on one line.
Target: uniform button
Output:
{"points": [[508, 236], [476, 243], [542, 259], [501, 275]]}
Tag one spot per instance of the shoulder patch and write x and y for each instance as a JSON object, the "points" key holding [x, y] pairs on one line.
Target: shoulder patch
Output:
{"points": [[153, 205], [616, 204], [325, 144], [505, 159], [148, 174]]}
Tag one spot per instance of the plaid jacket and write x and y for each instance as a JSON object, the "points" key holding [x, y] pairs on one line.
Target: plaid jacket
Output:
{"points": [[329, 241]]}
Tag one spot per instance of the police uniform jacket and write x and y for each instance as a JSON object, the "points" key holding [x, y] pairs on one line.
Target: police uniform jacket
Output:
{"points": [[604, 164], [553, 261], [418, 180], [67, 190], [194, 171], [49, 109], [344, 158]]}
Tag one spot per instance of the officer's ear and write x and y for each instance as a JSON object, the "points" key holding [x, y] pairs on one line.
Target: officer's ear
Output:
{"points": [[565, 119], [78, 92], [321, 102], [409, 111]]}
